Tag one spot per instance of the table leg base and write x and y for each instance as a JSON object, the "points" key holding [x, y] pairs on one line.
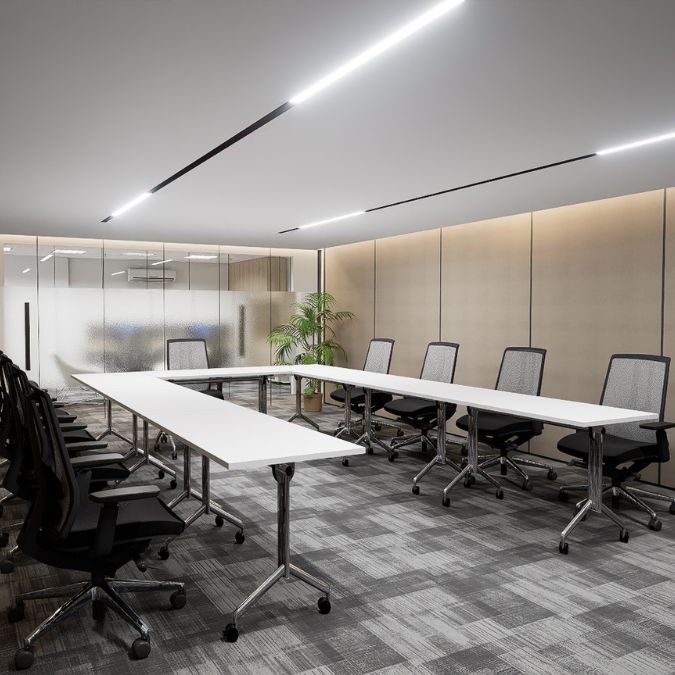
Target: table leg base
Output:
{"points": [[303, 418], [469, 474], [585, 507], [113, 432], [436, 461]]}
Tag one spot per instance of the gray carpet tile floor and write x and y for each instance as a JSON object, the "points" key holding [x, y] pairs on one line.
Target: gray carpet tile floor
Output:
{"points": [[416, 588]]}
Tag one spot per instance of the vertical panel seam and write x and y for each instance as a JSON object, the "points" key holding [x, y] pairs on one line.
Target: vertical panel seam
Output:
{"points": [[663, 291], [374, 285], [531, 272], [440, 283]]}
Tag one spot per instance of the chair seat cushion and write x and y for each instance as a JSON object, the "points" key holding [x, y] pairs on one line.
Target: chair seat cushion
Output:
{"points": [[136, 521], [378, 398], [410, 407], [615, 450], [493, 425]]}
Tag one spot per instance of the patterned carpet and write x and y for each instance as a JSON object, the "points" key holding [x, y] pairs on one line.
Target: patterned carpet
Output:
{"points": [[417, 588]]}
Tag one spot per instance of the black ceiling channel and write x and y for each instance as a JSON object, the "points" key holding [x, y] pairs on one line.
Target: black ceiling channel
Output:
{"points": [[481, 182], [292, 229]]}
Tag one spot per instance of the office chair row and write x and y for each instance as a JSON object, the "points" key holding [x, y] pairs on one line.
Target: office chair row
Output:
{"points": [[634, 381], [74, 521]]}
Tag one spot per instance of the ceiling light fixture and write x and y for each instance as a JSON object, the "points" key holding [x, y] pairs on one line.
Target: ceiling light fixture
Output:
{"points": [[114, 274], [47, 257], [6, 249], [162, 262], [26, 270], [139, 254], [129, 205], [69, 251], [394, 38], [325, 222], [637, 144], [199, 256]]}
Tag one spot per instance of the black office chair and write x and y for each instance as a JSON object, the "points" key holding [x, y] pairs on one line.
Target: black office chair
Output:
{"points": [[378, 360], [439, 366], [521, 372], [636, 382], [96, 533]]}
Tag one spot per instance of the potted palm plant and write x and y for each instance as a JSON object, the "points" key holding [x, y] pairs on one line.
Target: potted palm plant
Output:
{"points": [[309, 337]]}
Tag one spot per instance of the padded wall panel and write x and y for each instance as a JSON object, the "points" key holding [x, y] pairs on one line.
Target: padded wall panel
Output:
{"points": [[596, 281], [407, 284]]}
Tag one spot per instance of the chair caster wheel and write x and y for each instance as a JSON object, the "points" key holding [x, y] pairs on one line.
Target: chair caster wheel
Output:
{"points": [[2, 510], [4, 539], [239, 537], [551, 475], [173, 484], [416, 489], [392, 456], [503, 470], [160, 475], [345, 462], [16, 613], [499, 494], [219, 521], [323, 605], [399, 432], [164, 553], [469, 481], [6, 566], [564, 548], [563, 496], [230, 633], [672, 508], [623, 536], [98, 610], [655, 524], [446, 501], [178, 599], [23, 658], [526, 485], [369, 450], [140, 648]]}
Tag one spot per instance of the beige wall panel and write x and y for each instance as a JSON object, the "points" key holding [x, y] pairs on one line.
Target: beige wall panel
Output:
{"points": [[407, 296], [596, 280], [485, 293], [350, 277], [668, 470]]}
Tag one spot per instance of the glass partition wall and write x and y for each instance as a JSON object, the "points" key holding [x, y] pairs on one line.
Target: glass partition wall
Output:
{"points": [[84, 305]]}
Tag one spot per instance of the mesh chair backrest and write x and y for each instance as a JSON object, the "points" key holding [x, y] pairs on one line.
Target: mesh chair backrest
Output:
{"points": [[378, 358], [636, 382], [522, 370], [439, 362], [187, 353]]}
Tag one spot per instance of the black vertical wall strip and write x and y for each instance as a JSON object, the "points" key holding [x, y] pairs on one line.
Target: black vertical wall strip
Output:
{"points": [[440, 283], [531, 269], [26, 333], [374, 283]]}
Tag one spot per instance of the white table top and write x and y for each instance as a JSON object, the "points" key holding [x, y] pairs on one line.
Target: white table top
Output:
{"points": [[553, 410], [231, 435]]}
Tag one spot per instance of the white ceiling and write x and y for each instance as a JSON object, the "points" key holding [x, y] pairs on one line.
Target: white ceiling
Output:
{"points": [[100, 101]]}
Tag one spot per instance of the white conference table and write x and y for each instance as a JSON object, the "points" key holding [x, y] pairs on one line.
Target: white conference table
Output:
{"points": [[234, 437]]}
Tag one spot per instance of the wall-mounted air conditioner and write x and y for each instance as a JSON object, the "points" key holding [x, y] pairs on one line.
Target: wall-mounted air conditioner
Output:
{"points": [[150, 275]]}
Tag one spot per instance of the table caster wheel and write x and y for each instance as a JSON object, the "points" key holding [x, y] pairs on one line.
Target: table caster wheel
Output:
{"points": [[239, 537], [4, 539], [230, 633], [564, 548], [345, 462], [369, 450], [178, 599], [219, 521], [551, 475], [446, 501], [563, 496], [416, 489], [140, 648], [23, 658], [164, 553], [6, 566], [173, 484], [623, 536], [160, 475], [98, 610], [526, 485], [499, 494], [16, 613], [655, 524], [323, 605]]}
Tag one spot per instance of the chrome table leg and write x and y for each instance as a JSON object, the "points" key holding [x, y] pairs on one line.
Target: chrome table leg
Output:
{"points": [[298, 414], [109, 431], [368, 438], [283, 473]]}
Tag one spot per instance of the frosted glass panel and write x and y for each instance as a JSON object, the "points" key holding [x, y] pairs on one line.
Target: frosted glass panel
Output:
{"points": [[244, 327], [134, 312], [70, 312]]}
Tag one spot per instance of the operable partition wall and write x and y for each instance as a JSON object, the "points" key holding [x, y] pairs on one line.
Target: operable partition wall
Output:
{"points": [[82, 305], [583, 281]]}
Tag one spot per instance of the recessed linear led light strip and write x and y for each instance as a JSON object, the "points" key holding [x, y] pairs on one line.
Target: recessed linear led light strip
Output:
{"points": [[598, 153], [436, 12], [163, 262], [63, 251]]}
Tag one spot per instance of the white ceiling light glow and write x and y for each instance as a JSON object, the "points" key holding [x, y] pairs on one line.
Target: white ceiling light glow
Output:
{"points": [[114, 274], [130, 205], [7, 249], [637, 144], [401, 34], [26, 270], [163, 262], [198, 256], [47, 257], [331, 220], [139, 254]]}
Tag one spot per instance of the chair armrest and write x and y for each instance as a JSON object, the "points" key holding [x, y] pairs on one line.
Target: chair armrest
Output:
{"points": [[124, 494], [95, 460], [83, 446], [657, 426], [66, 419], [69, 426]]}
